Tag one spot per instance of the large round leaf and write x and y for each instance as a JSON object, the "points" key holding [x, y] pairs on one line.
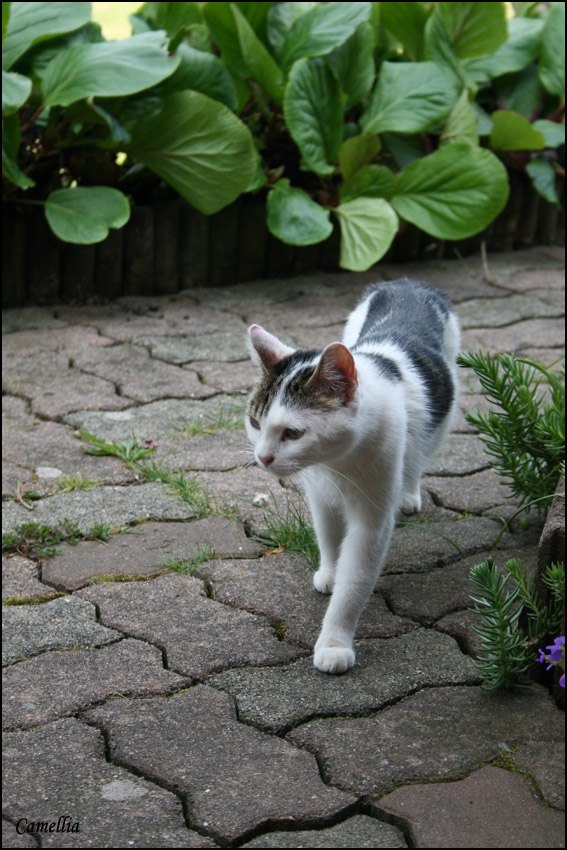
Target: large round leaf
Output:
{"points": [[322, 29], [262, 67], [452, 193], [294, 218], [368, 227], [410, 97], [200, 71], [31, 23], [107, 69], [372, 181], [313, 112], [513, 132], [475, 28], [85, 214], [199, 147], [552, 60], [15, 91]]}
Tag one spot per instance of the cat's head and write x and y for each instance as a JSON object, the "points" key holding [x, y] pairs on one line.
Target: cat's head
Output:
{"points": [[302, 410]]}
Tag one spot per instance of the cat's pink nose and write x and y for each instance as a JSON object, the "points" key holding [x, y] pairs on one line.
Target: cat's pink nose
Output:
{"points": [[266, 459]]}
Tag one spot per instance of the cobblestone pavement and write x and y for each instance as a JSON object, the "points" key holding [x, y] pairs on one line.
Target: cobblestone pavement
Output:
{"points": [[145, 706]]}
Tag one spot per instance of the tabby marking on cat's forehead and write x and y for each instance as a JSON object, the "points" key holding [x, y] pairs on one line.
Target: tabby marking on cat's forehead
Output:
{"points": [[291, 378]]}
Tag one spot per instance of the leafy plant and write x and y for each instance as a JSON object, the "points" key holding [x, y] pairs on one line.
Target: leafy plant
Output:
{"points": [[75, 106], [287, 529], [526, 436], [506, 649], [33, 540], [371, 112], [129, 451]]}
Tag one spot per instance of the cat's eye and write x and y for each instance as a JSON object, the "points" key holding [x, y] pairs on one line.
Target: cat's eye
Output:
{"points": [[254, 423], [292, 433]]}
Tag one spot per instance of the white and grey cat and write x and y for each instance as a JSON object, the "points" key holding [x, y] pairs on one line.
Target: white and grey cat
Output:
{"points": [[358, 422]]}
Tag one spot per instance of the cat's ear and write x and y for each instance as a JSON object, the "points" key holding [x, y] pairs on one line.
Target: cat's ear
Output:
{"points": [[266, 349], [335, 374]]}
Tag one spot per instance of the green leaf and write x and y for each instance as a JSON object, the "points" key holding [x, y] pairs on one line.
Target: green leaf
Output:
{"points": [[353, 64], [85, 214], [372, 181], [410, 97], [452, 193], [262, 67], [475, 28], [461, 127], [439, 49], [553, 133], [5, 19], [521, 48], [356, 152], [107, 70], [294, 218], [322, 29], [406, 22], [33, 22], [220, 21], [15, 91], [313, 112], [199, 147], [281, 17], [543, 179], [170, 16], [552, 59], [513, 132], [368, 227], [201, 72]]}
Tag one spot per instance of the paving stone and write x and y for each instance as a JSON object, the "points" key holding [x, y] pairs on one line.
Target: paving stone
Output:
{"points": [[418, 547], [461, 454], [197, 634], [358, 831], [547, 766], [531, 333], [473, 493], [490, 808], [528, 280], [239, 378], [55, 388], [62, 623], [234, 778], [244, 298], [52, 444], [62, 768], [30, 318], [145, 549], [436, 734], [155, 421], [275, 698], [118, 506], [280, 587], [459, 624], [56, 684], [427, 598], [19, 578], [498, 312], [16, 412], [307, 311], [252, 493], [221, 346], [70, 340], [140, 376], [219, 451]]}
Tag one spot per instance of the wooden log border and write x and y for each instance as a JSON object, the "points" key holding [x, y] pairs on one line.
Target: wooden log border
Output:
{"points": [[171, 247]]}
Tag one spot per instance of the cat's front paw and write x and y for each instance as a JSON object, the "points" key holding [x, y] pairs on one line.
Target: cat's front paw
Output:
{"points": [[324, 580], [411, 503], [333, 659]]}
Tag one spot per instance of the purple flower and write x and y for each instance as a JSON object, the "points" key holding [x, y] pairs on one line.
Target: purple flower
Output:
{"points": [[562, 681]]}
